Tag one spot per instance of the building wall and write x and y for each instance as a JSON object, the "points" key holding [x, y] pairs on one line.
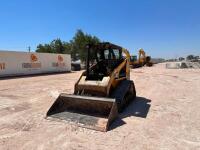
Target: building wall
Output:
{"points": [[24, 63]]}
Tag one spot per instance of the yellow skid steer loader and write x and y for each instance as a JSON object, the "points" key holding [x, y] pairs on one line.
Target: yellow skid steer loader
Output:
{"points": [[101, 92]]}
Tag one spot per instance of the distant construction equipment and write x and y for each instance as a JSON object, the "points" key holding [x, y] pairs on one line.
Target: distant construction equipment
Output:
{"points": [[141, 61]]}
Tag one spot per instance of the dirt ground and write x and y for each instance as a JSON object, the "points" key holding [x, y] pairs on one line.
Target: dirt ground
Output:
{"points": [[165, 114]]}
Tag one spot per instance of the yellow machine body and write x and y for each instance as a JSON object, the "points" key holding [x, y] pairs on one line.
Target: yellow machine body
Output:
{"points": [[96, 101]]}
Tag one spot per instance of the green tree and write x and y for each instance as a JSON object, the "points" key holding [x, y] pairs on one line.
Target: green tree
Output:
{"points": [[190, 57], [76, 47], [46, 48], [57, 46], [180, 58], [67, 48], [79, 42]]}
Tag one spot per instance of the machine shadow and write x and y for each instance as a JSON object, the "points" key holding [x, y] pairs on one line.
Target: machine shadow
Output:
{"points": [[138, 108]]}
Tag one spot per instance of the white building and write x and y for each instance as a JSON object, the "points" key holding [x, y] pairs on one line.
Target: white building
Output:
{"points": [[25, 63]]}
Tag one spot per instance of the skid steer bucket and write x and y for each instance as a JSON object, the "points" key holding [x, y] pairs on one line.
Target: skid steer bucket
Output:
{"points": [[90, 112]]}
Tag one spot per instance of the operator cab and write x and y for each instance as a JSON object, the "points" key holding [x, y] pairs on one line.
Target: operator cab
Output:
{"points": [[133, 58], [102, 60]]}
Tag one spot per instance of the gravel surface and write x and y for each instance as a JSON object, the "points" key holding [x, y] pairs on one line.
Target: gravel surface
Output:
{"points": [[165, 114]]}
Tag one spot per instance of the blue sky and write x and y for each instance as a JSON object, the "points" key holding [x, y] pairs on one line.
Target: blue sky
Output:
{"points": [[164, 28]]}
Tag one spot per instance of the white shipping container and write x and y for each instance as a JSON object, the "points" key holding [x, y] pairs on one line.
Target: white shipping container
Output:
{"points": [[25, 63]]}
